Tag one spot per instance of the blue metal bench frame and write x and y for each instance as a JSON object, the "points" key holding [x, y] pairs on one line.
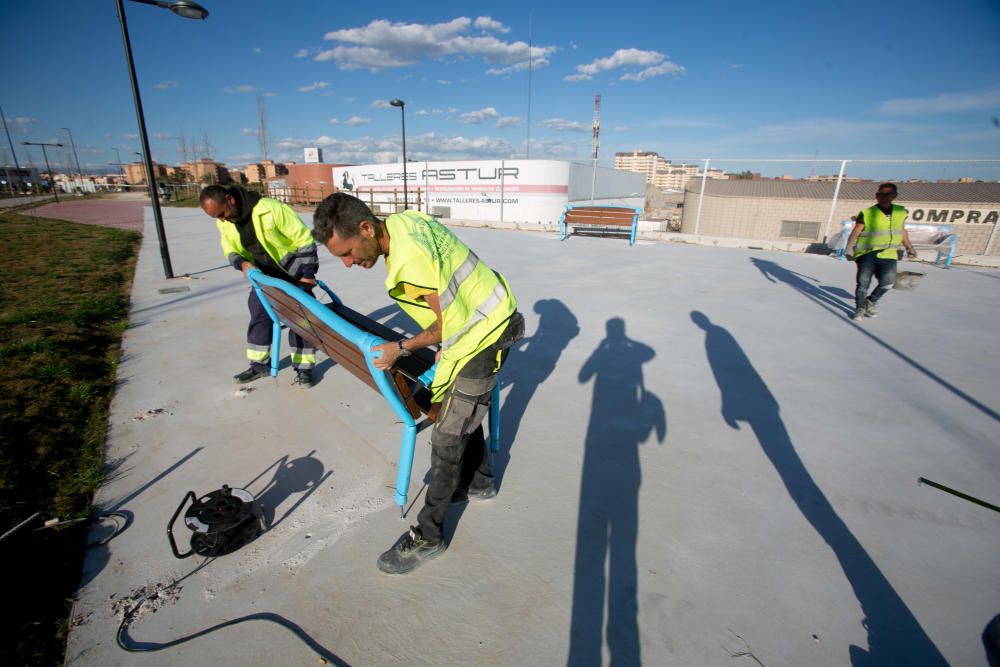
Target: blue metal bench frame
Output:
{"points": [[950, 241], [364, 341], [564, 227]]}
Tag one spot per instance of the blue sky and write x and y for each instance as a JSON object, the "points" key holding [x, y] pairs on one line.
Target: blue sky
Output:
{"points": [[803, 80]]}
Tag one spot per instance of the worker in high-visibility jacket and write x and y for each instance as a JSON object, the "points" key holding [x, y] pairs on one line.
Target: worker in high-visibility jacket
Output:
{"points": [[463, 306], [258, 232], [875, 241]]}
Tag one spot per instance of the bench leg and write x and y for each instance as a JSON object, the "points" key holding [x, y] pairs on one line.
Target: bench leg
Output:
{"points": [[405, 464], [275, 348], [631, 238]]}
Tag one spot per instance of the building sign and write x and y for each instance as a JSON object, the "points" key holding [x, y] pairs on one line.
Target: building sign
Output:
{"points": [[313, 155], [954, 215]]}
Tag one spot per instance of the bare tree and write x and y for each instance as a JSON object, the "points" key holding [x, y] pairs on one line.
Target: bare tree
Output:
{"points": [[263, 138], [206, 145], [182, 147]]}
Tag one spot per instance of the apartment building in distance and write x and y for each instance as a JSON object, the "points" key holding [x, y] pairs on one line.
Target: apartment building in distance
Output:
{"points": [[135, 172], [258, 172], [661, 172]]}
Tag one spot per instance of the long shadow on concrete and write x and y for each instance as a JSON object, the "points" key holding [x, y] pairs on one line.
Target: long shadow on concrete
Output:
{"points": [[825, 300], [532, 361], [622, 416], [894, 635]]}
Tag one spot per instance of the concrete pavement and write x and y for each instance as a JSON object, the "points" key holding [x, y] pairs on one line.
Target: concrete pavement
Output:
{"points": [[702, 458]]}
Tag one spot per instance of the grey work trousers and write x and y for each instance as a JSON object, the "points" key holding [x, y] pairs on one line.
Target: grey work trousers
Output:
{"points": [[458, 447]]}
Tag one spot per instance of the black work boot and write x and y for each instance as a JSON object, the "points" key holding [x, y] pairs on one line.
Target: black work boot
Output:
{"points": [[483, 491], [251, 374], [409, 551], [303, 378]]}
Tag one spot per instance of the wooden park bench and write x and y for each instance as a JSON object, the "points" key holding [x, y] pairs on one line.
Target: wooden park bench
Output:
{"points": [[614, 219], [347, 337], [942, 239]]}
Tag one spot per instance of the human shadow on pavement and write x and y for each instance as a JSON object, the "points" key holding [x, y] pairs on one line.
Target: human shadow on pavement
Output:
{"points": [[622, 417], [825, 300], [302, 475], [895, 637], [532, 360], [824, 294]]}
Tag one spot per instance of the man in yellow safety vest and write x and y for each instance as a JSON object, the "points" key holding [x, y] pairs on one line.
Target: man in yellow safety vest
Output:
{"points": [[464, 307], [875, 241]]}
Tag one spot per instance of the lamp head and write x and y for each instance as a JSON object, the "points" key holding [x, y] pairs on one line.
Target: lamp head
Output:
{"points": [[188, 9], [397, 103]]}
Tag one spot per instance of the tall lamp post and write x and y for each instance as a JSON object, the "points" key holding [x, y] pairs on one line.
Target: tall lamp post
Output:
{"points": [[52, 180], [402, 116], [73, 145], [188, 10]]}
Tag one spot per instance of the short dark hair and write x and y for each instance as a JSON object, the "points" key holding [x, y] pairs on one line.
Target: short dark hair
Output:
{"points": [[889, 185], [215, 193], [340, 214]]}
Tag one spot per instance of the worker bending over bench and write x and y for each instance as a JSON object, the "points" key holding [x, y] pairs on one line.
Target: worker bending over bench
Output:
{"points": [[462, 305]]}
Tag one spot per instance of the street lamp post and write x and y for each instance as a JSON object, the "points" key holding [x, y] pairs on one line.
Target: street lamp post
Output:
{"points": [[402, 116], [75, 157], [186, 9], [52, 180]]}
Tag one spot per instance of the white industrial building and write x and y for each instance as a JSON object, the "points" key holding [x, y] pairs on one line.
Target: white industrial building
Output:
{"points": [[525, 191]]}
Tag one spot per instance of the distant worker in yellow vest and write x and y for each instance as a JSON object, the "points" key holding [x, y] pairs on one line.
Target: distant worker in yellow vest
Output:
{"points": [[464, 307], [875, 240], [266, 234]]}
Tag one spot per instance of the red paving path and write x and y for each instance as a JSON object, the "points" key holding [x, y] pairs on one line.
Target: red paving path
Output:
{"points": [[103, 212]]}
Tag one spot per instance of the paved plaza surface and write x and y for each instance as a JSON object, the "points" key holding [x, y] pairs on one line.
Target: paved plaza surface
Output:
{"points": [[703, 462]]}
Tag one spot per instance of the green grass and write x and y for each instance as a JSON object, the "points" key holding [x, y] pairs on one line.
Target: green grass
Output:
{"points": [[64, 291]]}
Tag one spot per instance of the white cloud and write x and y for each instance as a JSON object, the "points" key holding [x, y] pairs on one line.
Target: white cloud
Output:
{"points": [[354, 121], [943, 103], [334, 121], [316, 85], [163, 136], [518, 67], [257, 49], [270, 94], [422, 112], [486, 23], [563, 125], [436, 111], [653, 63], [444, 82], [380, 104], [301, 53], [163, 85], [131, 136], [452, 109], [509, 121], [229, 90], [350, 100], [21, 124], [656, 70], [477, 117], [381, 45], [248, 132]]}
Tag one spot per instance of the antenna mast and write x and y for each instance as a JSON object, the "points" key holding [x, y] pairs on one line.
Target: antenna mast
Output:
{"points": [[596, 144]]}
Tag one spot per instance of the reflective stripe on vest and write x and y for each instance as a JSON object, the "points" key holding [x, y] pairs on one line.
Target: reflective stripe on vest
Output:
{"points": [[474, 299], [881, 233]]}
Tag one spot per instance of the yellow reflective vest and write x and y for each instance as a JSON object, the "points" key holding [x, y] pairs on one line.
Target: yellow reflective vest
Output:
{"points": [[476, 301], [280, 232], [881, 234]]}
